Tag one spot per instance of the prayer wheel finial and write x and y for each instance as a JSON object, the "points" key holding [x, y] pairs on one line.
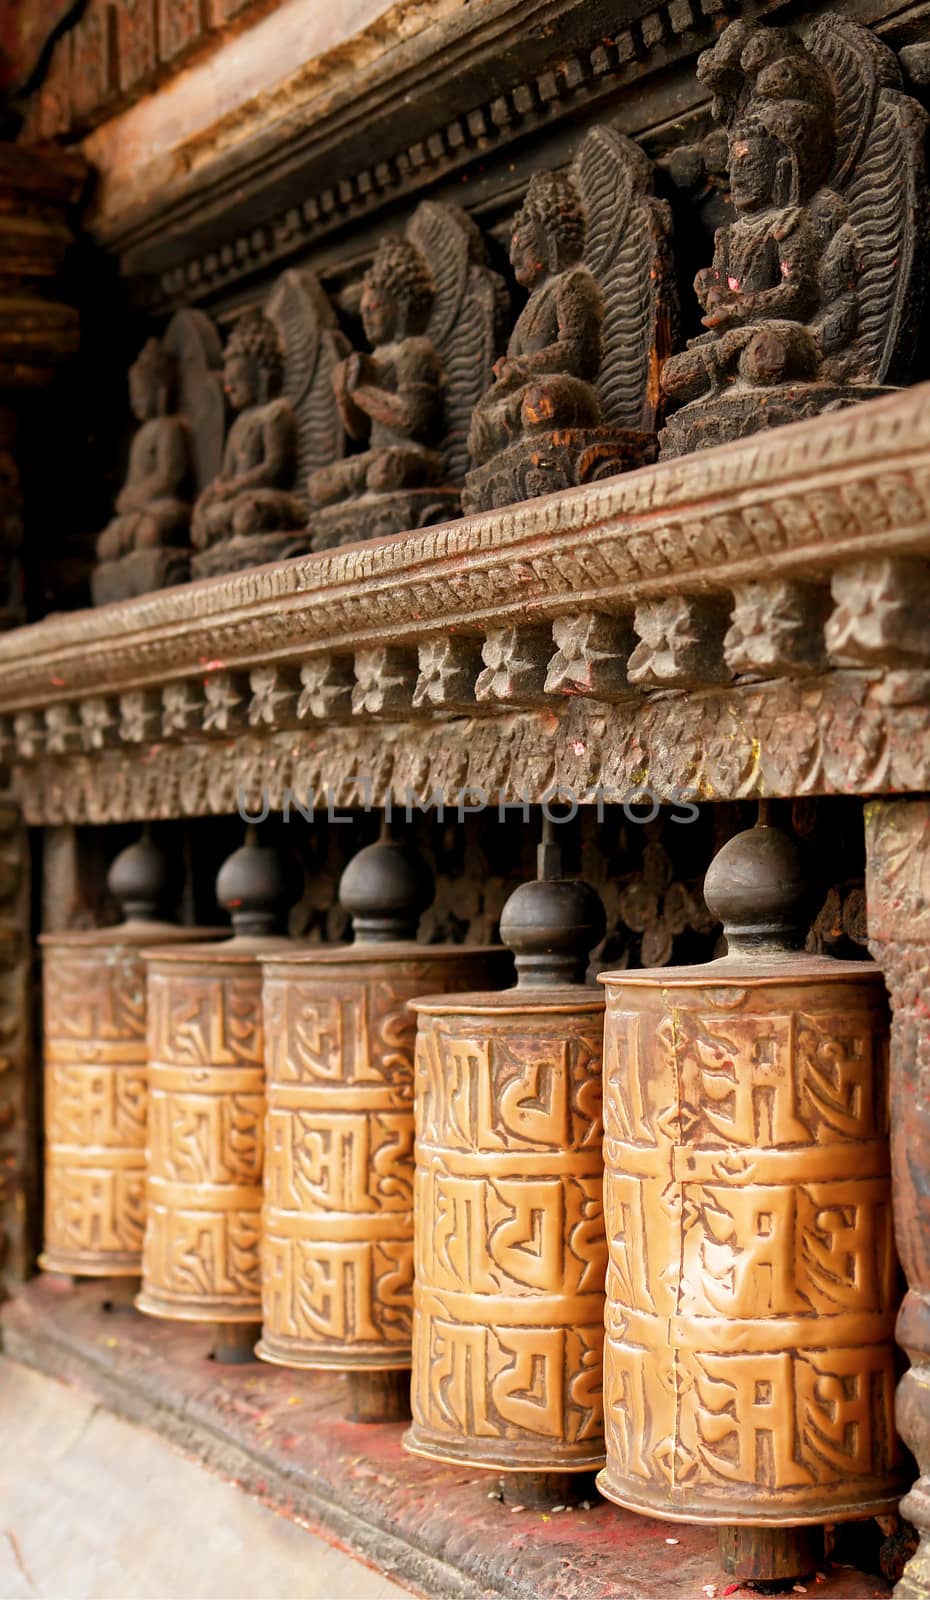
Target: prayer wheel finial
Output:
{"points": [[385, 889], [552, 924], [749, 1365], [138, 879], [510, 1245], [252, 887], [757, 888]]}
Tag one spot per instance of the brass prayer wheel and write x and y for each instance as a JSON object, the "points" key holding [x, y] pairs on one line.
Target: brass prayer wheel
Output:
{"points": [[338, 1218], [93, 987], [201, 1252], [510, 1246], [752, 1289]]}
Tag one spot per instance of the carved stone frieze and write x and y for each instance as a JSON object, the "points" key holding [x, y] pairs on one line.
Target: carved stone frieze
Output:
{"points": [[680, 644], [515, 662], [99, 722], [449, 669], [723, 555], [275, 693], [140, 715], [226, 703], [776, 628], [841, 733], [63, 729], [384, 682], [592, 652], [880, 614], [326, 685], [182, 709]]}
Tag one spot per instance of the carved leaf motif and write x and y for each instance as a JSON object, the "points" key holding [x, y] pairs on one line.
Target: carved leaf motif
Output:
{"points": [[880, 168], [195, 344], [628, 252], [313, 344], [467, 319]]}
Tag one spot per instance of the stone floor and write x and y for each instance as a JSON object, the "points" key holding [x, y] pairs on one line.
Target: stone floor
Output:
{"points": [[93, 1508], [285, 1438]]}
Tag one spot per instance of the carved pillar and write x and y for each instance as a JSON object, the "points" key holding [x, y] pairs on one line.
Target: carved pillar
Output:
{"points": [[200, 1260], [749, 1365], [898, 896], [510, 1247], [337, 1271], [18, 1090]]}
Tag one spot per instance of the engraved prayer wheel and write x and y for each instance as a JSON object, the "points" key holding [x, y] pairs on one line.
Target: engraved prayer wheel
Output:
{"points": [[752, 1289], [510, 1246], [338, 1218], [93, 987], [207, 1108]]}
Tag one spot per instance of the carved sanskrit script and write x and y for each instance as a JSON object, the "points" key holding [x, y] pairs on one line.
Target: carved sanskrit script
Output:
{"points": [[749, 1365], [95, 1108], [510, 1246], [338, 1217], [206, 1115]]}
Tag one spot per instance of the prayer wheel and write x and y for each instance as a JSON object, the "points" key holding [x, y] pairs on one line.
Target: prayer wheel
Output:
{"points": [[752, 1289], [207, 1108], [93, 986], [338, 1217], [510, 1246]]}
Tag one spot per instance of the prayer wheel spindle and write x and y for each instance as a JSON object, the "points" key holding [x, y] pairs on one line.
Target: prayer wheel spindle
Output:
{"points": [[207, 1111], [95, 1075], [510, 1245], [338, 1217], [749, 1369]]}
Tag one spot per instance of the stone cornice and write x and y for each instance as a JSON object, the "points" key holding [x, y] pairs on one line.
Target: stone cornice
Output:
{"points": [[742, 585], [797, 501]]}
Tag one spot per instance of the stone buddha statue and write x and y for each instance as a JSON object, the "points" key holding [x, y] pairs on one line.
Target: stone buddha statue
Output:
{"points": [[391, 397], [809, 270], [241, 517], [574, 398], [153, 506], [546, 379]]}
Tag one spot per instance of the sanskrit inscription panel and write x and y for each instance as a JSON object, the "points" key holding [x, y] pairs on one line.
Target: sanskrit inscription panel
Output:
{"points": [[510, 1250], [95, 1107], [338, 1213], [752, 1284], [201, 1258]]}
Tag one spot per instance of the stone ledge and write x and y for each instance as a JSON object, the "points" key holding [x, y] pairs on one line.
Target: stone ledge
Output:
{"points": [[756, 611], [280, 1435]]}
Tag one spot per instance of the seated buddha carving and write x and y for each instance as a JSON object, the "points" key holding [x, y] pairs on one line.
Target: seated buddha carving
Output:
{"points": [[153, 507], [546, 380], [804, 306], [251, 496], [390, 398]]}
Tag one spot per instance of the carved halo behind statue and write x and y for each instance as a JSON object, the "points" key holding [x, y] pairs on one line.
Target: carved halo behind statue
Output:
{"points": [[817, 288]]}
